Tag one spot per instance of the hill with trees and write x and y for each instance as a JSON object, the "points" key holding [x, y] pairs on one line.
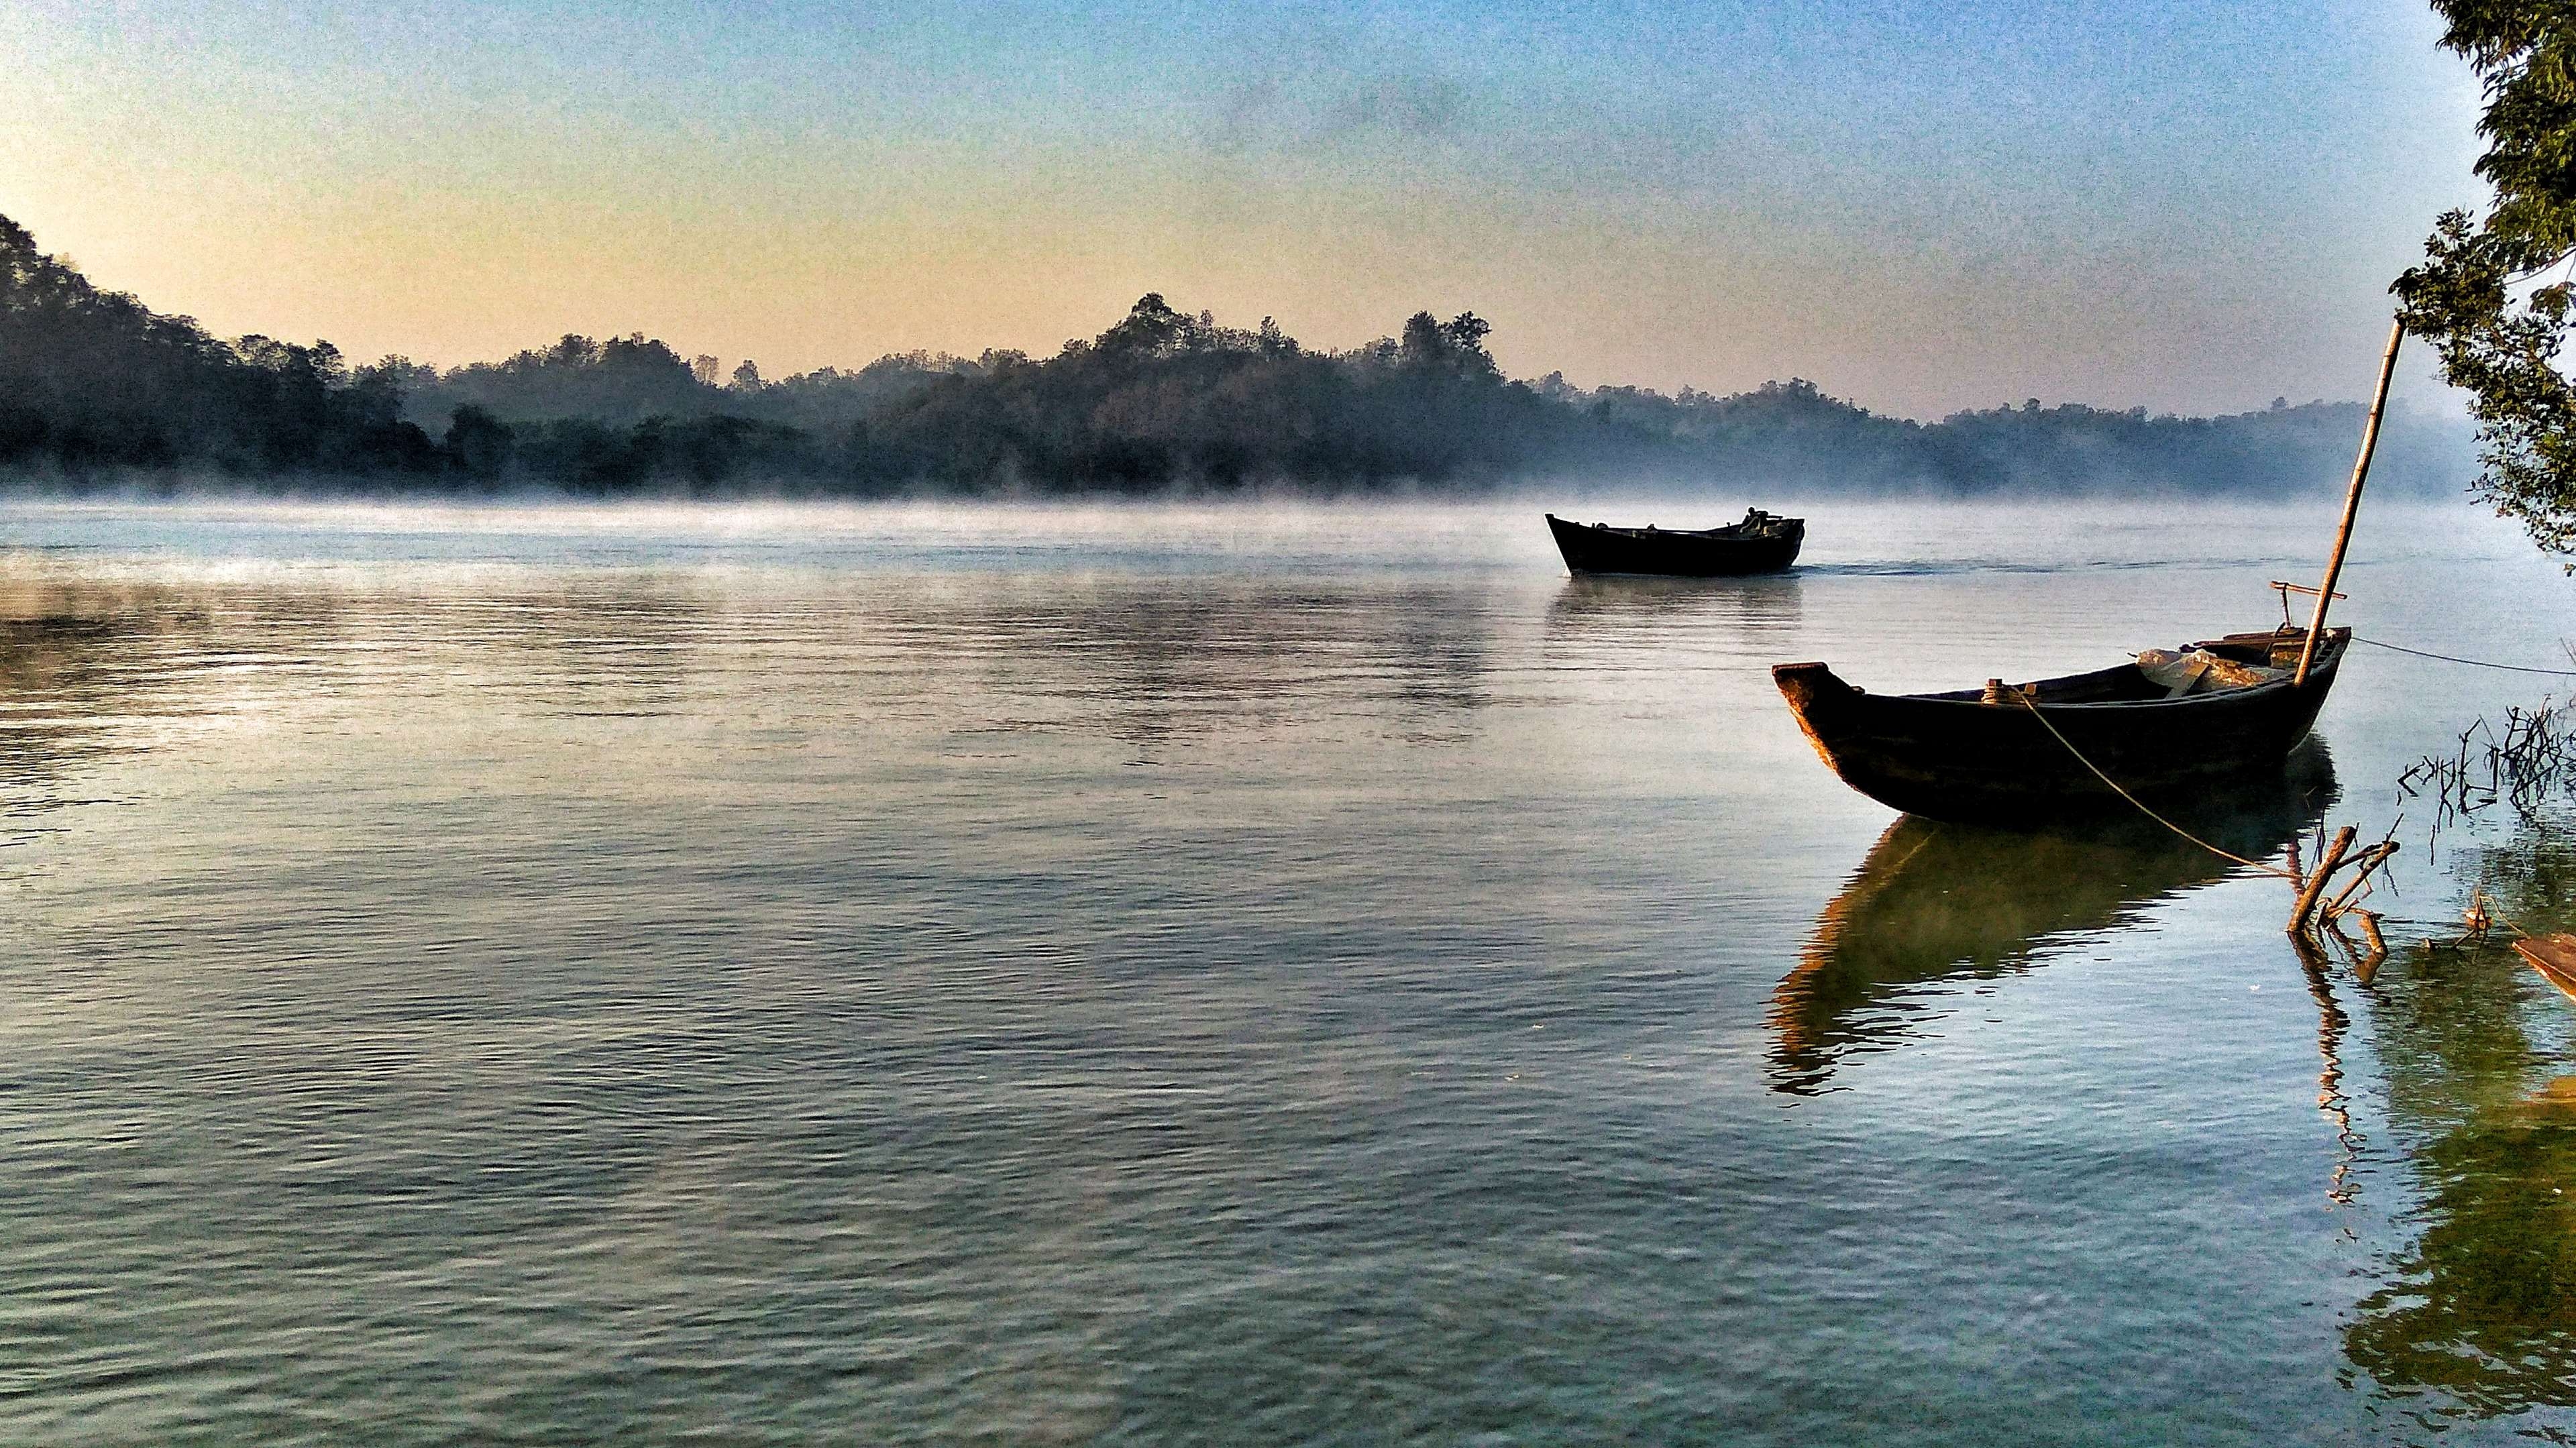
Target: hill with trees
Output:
{"points": [[97, 388]]}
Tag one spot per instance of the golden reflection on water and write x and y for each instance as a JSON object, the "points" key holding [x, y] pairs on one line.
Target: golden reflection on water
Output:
{"points": [[75, 676]]}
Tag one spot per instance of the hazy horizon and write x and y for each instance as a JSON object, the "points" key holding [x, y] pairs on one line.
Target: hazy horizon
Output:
{"points": [[1923, 210]]}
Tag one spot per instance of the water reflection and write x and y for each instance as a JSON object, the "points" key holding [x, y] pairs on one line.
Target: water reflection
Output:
{"points": [[87, 665], [1174, 661], [1592, 622], [2333, 1024], [776, 980], [2477, 1317], [75, 661], [1934, 904], [1584, 602], [616, 646]]}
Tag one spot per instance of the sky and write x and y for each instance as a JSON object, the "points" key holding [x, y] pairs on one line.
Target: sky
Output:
{"points": [[1920, 206]]}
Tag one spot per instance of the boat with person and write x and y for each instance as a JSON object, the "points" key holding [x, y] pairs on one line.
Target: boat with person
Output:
{"points": [[2167, 726], [1761, 543]]}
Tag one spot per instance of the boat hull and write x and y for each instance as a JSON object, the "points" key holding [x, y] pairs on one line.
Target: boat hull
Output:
{"points": [[1711, 554], [2554, 956], [1955, 757]]}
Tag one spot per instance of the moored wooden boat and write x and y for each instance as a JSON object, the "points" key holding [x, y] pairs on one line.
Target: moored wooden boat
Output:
{"points": [[2008, 754], [1762, 543], [2554, 956]]}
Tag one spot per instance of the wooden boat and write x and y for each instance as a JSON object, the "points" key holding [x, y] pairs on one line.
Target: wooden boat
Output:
{"points": [[2151, 731], [2007, 754], [2554, 956], [1762, 543]]}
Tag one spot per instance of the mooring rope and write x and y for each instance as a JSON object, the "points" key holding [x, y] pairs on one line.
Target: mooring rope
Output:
{"points": [[2473, 663], [2264, 865]]}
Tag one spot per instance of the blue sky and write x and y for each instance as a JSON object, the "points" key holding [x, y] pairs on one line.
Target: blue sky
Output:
{"points": [[1923, 206]]}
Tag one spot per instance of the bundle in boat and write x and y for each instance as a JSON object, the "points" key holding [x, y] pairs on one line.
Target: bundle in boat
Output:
{"points": [[2176, 727], [2198, 671], [1762, 543]]}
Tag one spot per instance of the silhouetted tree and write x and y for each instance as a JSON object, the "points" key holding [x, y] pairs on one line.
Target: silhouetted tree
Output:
{"points": [[94, 380], [2501, 349], [478, 444]]}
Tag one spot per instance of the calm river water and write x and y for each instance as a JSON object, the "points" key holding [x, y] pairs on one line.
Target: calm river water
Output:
{"points": [[1261, 974]]}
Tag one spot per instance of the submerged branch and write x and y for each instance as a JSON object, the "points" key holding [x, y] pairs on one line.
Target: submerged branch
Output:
{"points": [[2526, 764]]}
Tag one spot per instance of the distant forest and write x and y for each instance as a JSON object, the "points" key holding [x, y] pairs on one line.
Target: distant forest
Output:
{"points": [[97, 389]]}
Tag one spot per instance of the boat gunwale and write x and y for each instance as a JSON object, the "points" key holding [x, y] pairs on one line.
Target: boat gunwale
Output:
{"points": [[2336, 640], [1724, 532]]}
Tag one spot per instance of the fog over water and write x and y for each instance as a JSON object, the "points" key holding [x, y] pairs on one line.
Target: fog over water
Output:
{"points": [[1144, 972]]}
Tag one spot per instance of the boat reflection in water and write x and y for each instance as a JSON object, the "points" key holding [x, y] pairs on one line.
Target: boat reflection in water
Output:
{"points": [[1935, 903], [1616, 600]]}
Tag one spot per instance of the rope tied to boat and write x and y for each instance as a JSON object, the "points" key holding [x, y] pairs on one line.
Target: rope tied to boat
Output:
{"points": [[2265, 866], [2456, 659]]}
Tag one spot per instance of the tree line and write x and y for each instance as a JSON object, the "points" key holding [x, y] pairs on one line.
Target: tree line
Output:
{"points": [[95, 386]]}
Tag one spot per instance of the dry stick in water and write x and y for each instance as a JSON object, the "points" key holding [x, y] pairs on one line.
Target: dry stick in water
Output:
{"points": [[2362, 865], [2317, 882], [2532, 762], [2343, 944], [2370, 964]]}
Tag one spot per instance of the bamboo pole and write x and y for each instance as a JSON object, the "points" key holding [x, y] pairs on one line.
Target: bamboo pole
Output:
{"points": [[2351, 501]]}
